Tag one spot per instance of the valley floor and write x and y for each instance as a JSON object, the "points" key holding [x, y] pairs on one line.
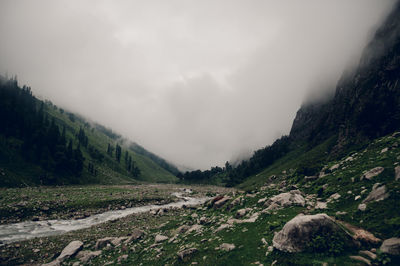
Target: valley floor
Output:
{"points": [[360, 192]]}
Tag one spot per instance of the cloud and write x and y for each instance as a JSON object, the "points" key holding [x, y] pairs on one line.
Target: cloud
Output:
{"points": [[197, 82]]}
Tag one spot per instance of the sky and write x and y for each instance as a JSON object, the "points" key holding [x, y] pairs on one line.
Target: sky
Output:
{"points": [[196, 82]]}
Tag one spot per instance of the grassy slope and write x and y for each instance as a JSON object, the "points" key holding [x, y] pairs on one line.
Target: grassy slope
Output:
{"points": [[381, 218], [17, 171]]}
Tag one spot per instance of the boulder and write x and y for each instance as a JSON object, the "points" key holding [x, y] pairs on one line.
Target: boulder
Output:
{"points": [[321, 205], [242, 212], [70, 250], [86, 255], [368, 253], [286, 199], [378, 193], [103, 242], [372, 173], [135, 235], [361, 259], [160, 238], [227, 247], [182, 229], [221, 202], [397, 173], [299, 231], [186, 254], [391, 246], [362, 207]]}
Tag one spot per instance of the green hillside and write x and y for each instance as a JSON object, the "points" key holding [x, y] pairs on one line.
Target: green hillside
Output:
{"points": [[18, 167]]}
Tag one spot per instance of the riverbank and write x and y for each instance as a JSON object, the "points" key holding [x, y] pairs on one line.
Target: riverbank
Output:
{"points": [[78, 202]]}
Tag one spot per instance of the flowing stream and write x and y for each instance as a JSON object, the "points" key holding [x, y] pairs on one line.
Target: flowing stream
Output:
{"points": [[26, 230]]}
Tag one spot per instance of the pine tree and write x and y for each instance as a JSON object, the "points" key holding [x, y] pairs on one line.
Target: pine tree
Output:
{"points": [[118, 152]]}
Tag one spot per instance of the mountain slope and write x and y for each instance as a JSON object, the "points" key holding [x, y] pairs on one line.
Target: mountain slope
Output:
{"points": [[39, 141]]}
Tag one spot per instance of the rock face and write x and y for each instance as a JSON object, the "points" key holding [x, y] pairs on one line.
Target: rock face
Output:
{"points": [[372, 173], [296, 233], [391, 246], [286, 199], [378, 193]]}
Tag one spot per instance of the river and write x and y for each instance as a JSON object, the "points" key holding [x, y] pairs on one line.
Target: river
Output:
{"points": [[31, 229]]}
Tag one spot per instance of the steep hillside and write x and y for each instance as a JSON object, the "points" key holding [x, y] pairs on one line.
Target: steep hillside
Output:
{"points": [[43, 144]]}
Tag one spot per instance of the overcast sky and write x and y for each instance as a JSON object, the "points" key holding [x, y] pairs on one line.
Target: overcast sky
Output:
{"points": [[197, 82]]}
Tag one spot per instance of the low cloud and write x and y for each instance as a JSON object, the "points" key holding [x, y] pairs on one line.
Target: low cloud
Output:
{"points": [[197, 82]]}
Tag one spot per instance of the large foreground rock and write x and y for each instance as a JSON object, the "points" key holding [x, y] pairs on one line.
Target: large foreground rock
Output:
{"points": [[299, 231], [391, 246], [286, 199]]}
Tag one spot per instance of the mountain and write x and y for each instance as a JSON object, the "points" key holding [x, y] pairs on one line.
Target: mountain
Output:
{"points": [[43, 144], [365, 106]]}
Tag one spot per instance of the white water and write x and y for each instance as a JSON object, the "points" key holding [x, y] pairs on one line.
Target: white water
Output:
{"points": [[26, 230]]}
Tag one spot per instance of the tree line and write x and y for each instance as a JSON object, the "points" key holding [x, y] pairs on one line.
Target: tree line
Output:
{"points": [[24, 118]]}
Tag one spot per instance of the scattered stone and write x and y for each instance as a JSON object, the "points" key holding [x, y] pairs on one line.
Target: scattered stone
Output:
{"points": [[264, 241], [135, 235], [242, 212], [103, 242], [334, 167], [160, 238], [368, 253], [86, 255], [195, 227], [335, 196], [204, 220], [378, 193], [372, 173], [321, 205], [361, 259], [227, 247], [310, 178], [397, 173], [70, 250], [362, 207], [298, 232], [262, 200], [222, 227], [286, 199], [360, 234], [182, 229], [186, 254], [340, 213], [384, 150], [221, 202], [391, 246], [195, 215], [236, 201], [122, 258], [357, 197], [118, 240]]}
